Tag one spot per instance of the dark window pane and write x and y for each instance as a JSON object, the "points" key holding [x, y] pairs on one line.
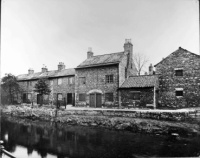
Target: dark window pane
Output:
{"points": [[179, 93], [108, 96], [179, 72], [82, 97], [134, 95]]}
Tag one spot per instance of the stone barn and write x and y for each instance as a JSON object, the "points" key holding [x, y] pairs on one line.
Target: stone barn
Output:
{"points": [[179, 80]]}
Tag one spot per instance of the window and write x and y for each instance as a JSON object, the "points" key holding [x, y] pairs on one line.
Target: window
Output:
{"points": [[134, 95], [82, 80], [29, 96], [179, 93], [108, 96], [59, 81], [109, 78], [51, 82], [82, 97], [178, 72], [60, 96], [30, 83], [70, 80]]}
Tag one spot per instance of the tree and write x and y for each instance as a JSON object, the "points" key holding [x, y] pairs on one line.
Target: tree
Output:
{"points": [[10, 88], [140, 61], [42, 88]]}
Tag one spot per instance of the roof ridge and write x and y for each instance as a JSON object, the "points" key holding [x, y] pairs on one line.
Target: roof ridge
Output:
{"points": [[108, 54]]}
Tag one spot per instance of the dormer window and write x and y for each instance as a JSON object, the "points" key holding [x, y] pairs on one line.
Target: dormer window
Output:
{"points": [[178, 72]]}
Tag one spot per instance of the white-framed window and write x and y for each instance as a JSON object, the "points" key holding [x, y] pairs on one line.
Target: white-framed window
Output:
{"points": [[60, 96], [29, 96], [51, 82], [109, 79], [70, 79], [59, 81]]}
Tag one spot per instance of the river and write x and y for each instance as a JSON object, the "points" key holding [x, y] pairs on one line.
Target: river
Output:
{"points": [[36, 139]]}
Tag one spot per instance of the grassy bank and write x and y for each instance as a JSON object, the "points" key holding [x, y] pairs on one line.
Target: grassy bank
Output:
{"points": [[104, 120]]}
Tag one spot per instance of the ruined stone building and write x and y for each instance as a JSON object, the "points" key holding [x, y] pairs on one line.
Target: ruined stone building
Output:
{"points": [[179, 79]]}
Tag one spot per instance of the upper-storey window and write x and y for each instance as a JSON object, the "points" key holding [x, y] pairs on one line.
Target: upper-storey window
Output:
{"points": [[59, 81], [109, 79], [179, 92], [29, 83], [178, 72], [70, 80], [82, 80], [51, 82]]}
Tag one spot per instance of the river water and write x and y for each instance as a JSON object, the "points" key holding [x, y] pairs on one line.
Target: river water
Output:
{"points": [[34, 139]]}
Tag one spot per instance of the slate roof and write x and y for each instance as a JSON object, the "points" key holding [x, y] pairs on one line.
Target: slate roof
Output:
{"points": [[179, 50], [99, 60], [140, 81], [48, 74]]}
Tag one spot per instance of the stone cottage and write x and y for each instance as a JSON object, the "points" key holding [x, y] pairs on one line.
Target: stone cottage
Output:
{"points": [[99, 77], [179, 79], [61, 82]]}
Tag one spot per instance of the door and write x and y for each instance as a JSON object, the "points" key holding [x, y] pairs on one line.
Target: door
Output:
{"points": [[24, 98], [39, 99], [98, 100], [69, 98], [92, 100]]}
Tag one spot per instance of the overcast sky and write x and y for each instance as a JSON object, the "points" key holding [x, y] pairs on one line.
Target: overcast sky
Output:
{"points": [[37, 32]]}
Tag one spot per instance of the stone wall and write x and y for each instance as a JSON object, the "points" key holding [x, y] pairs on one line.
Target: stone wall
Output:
{"points": [[146, 97], [189, 82]]}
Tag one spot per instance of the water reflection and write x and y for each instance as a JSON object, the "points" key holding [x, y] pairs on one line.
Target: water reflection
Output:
{"points": [[25, 138]]}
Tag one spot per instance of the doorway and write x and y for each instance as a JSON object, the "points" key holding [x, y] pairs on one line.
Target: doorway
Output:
{"points": [[95, 100], [71, 98]]}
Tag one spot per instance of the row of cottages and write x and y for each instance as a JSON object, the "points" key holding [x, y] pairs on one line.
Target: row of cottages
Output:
{"points": [[111, 80], [61, 82]]}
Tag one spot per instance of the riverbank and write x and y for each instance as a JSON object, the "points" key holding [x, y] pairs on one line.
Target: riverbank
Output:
{"points": [[105, 119]]}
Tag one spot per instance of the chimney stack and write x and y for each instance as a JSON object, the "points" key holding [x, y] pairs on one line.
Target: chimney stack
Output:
{"points": [[61, 66], [44, 69], [151, 69], [30, 71], [89, 53]]}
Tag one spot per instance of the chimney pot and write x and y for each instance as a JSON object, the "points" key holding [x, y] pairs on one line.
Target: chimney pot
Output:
{"points": [[30, 71], [151, 69], [44, 68], [61, 66], [89, 53]]}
